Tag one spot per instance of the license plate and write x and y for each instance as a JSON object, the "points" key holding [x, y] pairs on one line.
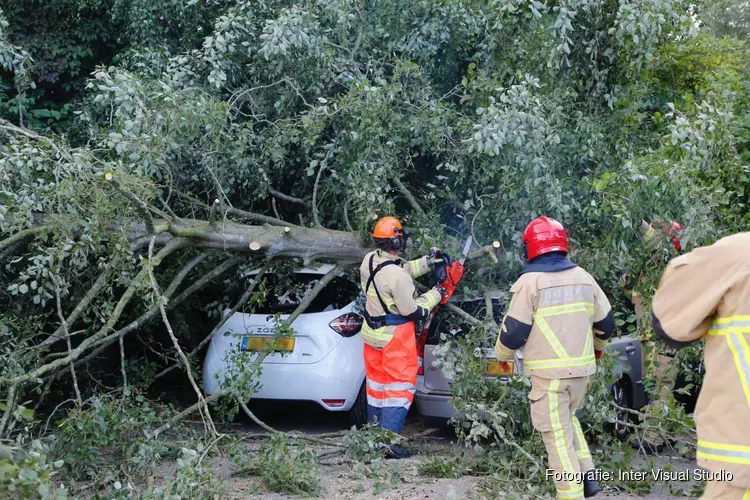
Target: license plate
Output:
{"points": [[260, 343], [499, 368]]}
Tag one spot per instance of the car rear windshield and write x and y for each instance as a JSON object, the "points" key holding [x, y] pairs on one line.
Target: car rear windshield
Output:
{"points": [[282, 294]]}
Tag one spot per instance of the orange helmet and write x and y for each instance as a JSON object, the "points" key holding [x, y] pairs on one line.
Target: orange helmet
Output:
{"points": [[390, 234]]}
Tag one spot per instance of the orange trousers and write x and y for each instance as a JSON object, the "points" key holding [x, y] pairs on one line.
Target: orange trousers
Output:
{"points": [[391, 374]]}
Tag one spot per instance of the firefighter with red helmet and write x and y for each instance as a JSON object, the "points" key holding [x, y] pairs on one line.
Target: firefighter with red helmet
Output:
{"points": [[664, 371], [562, 319], [392, 306]]}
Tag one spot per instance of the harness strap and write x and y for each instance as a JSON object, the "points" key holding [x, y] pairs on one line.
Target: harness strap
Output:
{"points": [[371, 280]]}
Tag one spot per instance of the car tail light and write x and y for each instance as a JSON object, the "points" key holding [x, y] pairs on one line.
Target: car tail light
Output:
{"points": [[499, 368], [347, 325], [334, 402]]}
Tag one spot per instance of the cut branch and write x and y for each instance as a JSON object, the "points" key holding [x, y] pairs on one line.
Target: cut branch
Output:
{"points": [[282, 241]]}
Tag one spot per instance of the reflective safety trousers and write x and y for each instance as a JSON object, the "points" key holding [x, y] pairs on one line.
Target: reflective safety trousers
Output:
{"points": [[722, 414], [553, 406], [391, 374]]}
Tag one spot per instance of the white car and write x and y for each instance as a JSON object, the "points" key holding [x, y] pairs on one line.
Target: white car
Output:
{"points": [[322, 363]]}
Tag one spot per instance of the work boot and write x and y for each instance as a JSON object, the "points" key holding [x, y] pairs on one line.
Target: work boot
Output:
{"points": [[648, 447], [590, 486], [398, 452]]}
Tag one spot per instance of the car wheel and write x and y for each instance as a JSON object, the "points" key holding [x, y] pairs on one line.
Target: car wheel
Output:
{"points": [[622, 397], [358, 413]]}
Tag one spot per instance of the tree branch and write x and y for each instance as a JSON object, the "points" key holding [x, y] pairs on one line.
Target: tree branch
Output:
{"points": [[67, 338], [263, 219], [407, 194], [102, 345], [91, 341], [21, 236], [288, 199], [241, 302], [141, 206], [161, 301], [316, 219], [303, 305], [60, 333]]}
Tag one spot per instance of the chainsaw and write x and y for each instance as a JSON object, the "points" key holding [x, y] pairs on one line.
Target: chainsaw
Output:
{"points": [[448, 274]]}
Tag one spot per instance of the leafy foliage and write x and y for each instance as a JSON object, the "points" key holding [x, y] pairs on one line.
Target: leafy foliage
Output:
{"points": [[127, 119]]}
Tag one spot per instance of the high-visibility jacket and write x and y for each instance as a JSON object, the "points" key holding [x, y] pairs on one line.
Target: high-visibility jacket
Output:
{"points": [[705, 295], [559, 318], [391, 297]]}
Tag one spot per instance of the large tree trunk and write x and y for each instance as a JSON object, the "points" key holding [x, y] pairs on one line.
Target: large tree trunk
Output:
{"points": [[308, 244]]}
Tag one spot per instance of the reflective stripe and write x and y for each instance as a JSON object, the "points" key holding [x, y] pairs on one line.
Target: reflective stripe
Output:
{"points": [[565, 309], [730, 453], [397, 402], [560, 446], [399, 386], [572, 493], [375, 385], [378, 334], [551, 338], [415, 269], [373, 401], [583, 452], [741, 353], [723, 326], [588, 347], [559, 363], [747, 494], [428, 301]]}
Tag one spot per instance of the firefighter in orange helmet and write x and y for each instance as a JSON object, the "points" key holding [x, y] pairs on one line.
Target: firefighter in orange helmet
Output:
{"points": [[391, 308], [562, 320], [704, 295]]}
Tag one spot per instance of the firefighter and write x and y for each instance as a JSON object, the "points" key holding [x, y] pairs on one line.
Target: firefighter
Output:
{"points": [[665, 370], [562, 320], [705, 295], [391, 308]]}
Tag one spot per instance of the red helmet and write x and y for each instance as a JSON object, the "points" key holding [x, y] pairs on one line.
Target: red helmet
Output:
{"points": [[544, 235], [672, 231]]}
